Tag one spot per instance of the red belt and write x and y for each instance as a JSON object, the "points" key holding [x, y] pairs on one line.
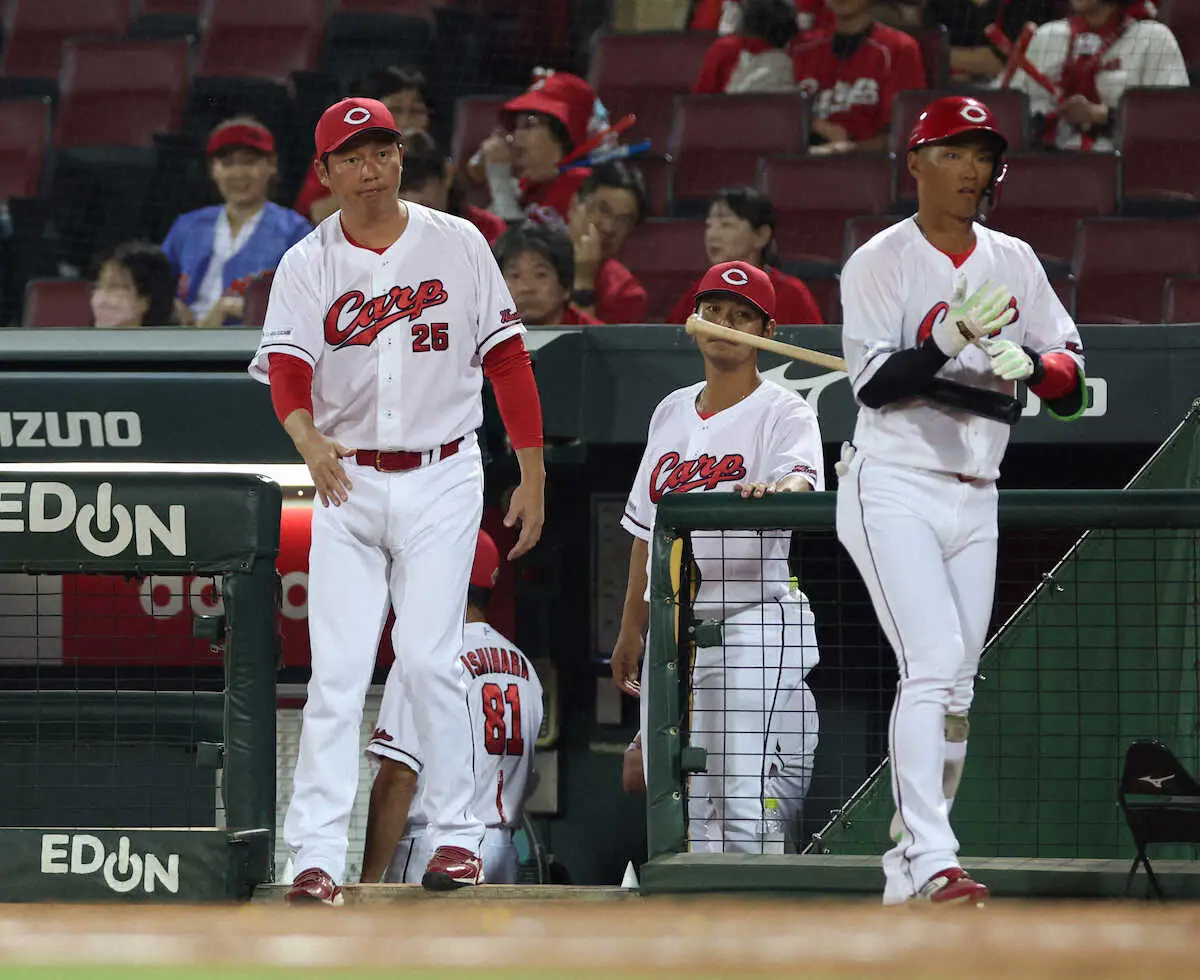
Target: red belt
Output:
{"points": [[401, 460]]}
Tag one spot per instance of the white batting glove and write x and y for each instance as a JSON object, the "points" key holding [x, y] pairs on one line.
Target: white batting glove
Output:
{"points": [[842, 466], [1009, 360], [969, 320]]}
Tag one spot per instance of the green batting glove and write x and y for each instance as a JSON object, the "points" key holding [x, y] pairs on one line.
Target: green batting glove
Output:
{"points": [[1009, 361]]}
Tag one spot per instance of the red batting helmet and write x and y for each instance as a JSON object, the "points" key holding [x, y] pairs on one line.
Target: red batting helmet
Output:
{"points": [[956, 115]]}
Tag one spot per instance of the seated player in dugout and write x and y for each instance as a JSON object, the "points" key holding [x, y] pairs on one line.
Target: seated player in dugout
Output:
{"points": [[429, 178], [853, 73], [538, 263], [408, 96], [740, 227], [734, 432], [504, 696], [539, 128], [606, 210], [754, 58]]}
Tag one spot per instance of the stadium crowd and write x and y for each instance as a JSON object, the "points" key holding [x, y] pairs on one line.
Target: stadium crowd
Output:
{"points": [[151, 149]]}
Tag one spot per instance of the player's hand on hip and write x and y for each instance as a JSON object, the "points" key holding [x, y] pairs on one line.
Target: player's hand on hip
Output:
{"points": [[972, 318], [1009, 361], [323, 457], [626, 659], [527, 508]]}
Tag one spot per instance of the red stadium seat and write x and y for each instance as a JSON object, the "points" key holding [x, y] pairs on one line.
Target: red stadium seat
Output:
{"points": [[815, 196], [58, 303], [1064, 287], [1159, 139], [158, 19], [34, 31], [657, 173], [667, 256], [120, 93], [642, 74], [263, 39], [934, 43], [475, 117], [180, 7], [1183, 17], [1046, 194], [24, 133], [862, 229], [258, 292], [403, 8], [1121, 265], [1181, 300], [716, 140], [825, 291], [1010, 108]]}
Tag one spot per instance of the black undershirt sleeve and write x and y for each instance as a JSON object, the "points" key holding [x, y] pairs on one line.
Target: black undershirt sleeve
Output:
{"points": [[903, 374]]}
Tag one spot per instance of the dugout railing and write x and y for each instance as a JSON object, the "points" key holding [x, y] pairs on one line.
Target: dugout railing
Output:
{"points": [[85, 745], [1093, 644]]}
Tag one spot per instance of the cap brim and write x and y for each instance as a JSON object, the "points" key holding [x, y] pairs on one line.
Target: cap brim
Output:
{"points": [[394, 133], [732, 295]]}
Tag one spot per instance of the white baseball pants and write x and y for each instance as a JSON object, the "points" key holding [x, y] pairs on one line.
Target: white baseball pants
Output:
{"points": [[409, 538], [925, 545], [747, 695], [500, 862]]}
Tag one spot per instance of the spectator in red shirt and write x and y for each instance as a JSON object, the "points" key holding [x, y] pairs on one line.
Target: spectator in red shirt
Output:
{"points": [[753, 59], [538, 263], [610, 204], [741, 227], [428, 178], [543, 125], [408, 97], [853, 73]]}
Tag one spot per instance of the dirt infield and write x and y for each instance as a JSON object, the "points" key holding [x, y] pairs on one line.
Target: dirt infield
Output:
{"points": [[700, 938]]}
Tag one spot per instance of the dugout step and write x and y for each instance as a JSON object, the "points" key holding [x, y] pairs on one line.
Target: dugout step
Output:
{"points": [[853, 875], [393, 894]]}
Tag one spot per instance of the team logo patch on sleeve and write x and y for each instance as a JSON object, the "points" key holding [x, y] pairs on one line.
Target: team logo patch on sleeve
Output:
{"points": [[509, 317]]}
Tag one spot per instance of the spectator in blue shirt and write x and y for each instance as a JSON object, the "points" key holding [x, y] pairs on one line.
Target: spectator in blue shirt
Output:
{"points": [[217, 250]]}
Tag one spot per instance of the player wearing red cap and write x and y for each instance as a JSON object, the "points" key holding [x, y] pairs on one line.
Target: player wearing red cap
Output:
{"points": [[378, 326], [732, 432], [542, 126], [504, 700], [939, 295]]}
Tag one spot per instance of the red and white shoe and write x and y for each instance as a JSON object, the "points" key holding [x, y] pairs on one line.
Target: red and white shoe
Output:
{"points": [[953, 887], [452, 867], [314, 886]]}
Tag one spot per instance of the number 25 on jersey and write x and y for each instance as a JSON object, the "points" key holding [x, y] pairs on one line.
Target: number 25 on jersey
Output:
{"points": [[502, 720]]}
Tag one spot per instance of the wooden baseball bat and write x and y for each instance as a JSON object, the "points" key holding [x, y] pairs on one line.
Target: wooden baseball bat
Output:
{"points": [[1016, 56], [698, 326]]}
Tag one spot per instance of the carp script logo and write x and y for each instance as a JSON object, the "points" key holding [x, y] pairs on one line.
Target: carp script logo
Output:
{"points": [[355, 321], [674, 475]]}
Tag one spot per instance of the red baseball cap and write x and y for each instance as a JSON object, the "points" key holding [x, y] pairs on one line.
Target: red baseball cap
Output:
{"points": [[254, 135], [344, 120], [563, 96], [486, 567], [743, 280]]}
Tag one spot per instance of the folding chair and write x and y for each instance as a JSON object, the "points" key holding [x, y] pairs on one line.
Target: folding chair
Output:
{"points": [[1161, 802]]}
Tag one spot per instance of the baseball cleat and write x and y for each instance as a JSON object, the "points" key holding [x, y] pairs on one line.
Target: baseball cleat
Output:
{"points": [[953, 887], [314, 886], [450, 868]]}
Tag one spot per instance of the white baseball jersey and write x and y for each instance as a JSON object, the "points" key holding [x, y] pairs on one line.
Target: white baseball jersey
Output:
{"points": [[504, 699], [893, 290], [395, 340], [768, 435], [1145, 54]]}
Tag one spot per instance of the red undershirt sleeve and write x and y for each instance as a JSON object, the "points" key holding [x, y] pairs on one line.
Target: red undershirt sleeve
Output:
{"points": [[1060, 377], [291, 385], [508, 367]]}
